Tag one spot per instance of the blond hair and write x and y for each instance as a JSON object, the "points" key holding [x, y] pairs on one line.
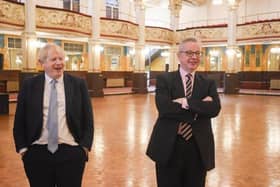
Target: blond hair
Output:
{"points": [[44, 51]]}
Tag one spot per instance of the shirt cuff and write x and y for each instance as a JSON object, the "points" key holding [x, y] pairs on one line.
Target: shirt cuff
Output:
{"points": [[22, 150], [185, 103]]}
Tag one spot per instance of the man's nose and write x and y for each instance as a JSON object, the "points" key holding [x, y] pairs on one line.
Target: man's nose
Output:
{"points": [[58, 61]]}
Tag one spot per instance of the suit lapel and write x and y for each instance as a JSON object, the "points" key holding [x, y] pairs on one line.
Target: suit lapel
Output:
{"points": [[198, 86], [36, 98], [177, 85], [38, 94], [68, 91]]}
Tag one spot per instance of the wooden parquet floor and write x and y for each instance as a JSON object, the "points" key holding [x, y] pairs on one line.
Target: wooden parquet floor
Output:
{"points": [[247, 134]]}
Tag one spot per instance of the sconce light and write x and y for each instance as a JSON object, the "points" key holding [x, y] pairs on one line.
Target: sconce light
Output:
{"points": [[146, 51], [214, 52], [99, 48], [230, 52], [275, 50], [233, 51], [40, 44], [164, 54], [132, 52], [36, 43], [238, 54]]}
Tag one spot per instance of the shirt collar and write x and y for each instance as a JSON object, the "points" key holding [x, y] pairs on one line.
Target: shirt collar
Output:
{"points": [[183, 73], [49, 79]]}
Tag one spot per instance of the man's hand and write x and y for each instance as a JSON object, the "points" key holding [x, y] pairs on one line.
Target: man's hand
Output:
{"points": [[23, 153], [86, 150], [182, 101], [178, 100], [207, 98]]}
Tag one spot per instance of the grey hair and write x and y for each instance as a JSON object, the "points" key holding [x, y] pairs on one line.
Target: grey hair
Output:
{"points": [[187, 40], [44, 51]]}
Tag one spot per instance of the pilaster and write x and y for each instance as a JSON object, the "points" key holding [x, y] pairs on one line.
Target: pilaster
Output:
{"points": [[29, 38], [175, 7], [93, 42], [140, 44], [231, 82], [232, 50]]}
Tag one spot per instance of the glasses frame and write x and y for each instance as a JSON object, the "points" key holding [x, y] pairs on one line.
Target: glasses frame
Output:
{"points": [[191, 53]]}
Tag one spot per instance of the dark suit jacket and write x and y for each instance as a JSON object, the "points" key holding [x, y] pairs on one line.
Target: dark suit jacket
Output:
{"points": [[168, 87], [28, 121]]}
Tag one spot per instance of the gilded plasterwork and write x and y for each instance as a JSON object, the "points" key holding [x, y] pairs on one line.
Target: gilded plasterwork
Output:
{"points": [[159, 35], [116, 28], [205, 34], [63, 21], [258, 30], [11, 13]]}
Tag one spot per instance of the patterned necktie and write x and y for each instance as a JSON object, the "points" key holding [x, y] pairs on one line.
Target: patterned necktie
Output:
{"points": [[52, 121], [188, 85], [185, 129]]}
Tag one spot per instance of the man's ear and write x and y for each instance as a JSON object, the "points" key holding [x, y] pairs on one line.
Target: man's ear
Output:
{"points": [[40, 63]]}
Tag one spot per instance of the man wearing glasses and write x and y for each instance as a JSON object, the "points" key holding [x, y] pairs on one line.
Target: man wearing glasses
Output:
{"points": [[182, 143]]}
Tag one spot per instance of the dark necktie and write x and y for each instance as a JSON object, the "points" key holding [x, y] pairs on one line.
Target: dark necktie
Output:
{"points": [[52, 121], [185, 129], [188, 85]]}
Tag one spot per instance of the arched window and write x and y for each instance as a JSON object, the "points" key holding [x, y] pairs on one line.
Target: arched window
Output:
{"points": [[112, 9]]}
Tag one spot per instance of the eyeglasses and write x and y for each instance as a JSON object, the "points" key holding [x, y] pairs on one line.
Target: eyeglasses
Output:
{"points": [[191, 53]]}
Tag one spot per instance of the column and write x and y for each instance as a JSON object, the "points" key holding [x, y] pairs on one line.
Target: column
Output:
{"points": [[29, 38], [139, 75], [173, 61], [140, 44], [29, 42], [94, 77], [175, 7], [94, 50], [232, 48], [93, 43], [231, 81]]}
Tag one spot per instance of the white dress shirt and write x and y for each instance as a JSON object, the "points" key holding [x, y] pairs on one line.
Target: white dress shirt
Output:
{"points": [[64, 135]]}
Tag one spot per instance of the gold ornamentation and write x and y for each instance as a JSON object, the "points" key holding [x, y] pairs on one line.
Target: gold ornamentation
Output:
{"points": [[159, 35], [56, 19], [11, 13], [116, 28]]}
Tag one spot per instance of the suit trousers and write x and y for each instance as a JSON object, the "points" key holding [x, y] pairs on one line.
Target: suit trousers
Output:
{"points": [[185, 167], [64, 168]]}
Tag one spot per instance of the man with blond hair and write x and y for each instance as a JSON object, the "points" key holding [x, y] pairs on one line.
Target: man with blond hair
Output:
{"points": [[53, 126]]}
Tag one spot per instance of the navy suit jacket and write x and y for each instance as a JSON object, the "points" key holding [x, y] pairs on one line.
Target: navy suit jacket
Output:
{"points": [[28, 121], [169, 87]]}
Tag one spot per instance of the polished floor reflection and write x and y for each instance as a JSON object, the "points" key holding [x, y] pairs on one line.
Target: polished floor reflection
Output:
{"points": [[247, 134]]}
